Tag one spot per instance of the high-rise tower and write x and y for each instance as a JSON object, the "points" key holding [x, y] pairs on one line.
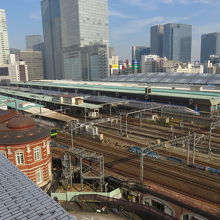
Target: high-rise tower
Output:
{"points": [[210, 45], [177, 42], [4, 47], [70, 28], [156, 40]]}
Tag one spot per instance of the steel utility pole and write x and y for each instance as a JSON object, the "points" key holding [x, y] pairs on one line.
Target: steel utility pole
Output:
{"points": [[212, 126], [142, 166], [134, 112]]}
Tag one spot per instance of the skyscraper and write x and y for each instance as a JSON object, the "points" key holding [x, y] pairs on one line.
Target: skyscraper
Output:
{"points": [[69, 26], [156, 40], [137, 52], [32, 40], [210, 45], [4, 47], [177, 42], [51, 20]]}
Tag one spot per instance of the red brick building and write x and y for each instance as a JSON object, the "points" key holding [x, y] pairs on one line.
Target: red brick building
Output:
{"points": [[26, 145]]}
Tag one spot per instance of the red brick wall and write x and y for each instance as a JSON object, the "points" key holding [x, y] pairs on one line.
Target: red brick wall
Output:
{"points": [[30, 165]]}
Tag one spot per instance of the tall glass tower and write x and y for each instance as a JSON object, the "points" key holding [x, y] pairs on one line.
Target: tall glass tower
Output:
{"points": [[156, 40], [51, 20], [177, 42], [4, 46], [69, 27], [210, 45]]}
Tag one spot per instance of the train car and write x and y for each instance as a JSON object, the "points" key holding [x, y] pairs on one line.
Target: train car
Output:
{"points": [[53, 132], [153, 155], [174, 159], [197, 166], [213, 170], [135, 149], [180, 109], [138, 150]]}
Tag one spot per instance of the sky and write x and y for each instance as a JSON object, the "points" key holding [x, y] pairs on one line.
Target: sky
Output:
{"points": [[129, 21]]}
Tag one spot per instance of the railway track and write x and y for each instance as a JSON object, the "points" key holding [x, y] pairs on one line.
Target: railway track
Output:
{"points": [[188, 181], [162, 152], [164, 133]]}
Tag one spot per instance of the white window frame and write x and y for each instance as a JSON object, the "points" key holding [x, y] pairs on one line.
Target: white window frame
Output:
{"points": [[37, 154], [49, 169], [48, 147], [19, 158], [39, 176]]}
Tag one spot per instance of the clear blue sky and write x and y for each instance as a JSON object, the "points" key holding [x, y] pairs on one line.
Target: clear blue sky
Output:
{"points": [[129, 21]]}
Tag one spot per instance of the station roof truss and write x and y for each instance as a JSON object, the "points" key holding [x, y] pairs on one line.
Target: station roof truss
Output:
{"points": [[169, 78]]}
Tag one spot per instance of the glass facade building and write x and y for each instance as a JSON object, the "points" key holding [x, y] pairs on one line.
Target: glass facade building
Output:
{"points": [[177, 42], [51, 21], [156, 40], [137, 52], [32, 40], [69, 26], [210, 45]]}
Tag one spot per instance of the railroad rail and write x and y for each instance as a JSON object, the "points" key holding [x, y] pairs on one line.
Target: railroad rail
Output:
{"points": [[187, 181]]}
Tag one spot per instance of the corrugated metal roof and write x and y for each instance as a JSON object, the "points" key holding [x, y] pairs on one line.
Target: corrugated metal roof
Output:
{"points": [[21, 199], [45, 98], [171, 78], [211, 96]]}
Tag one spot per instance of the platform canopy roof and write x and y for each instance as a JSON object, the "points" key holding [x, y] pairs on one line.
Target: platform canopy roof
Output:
{"points": [[169, 78]]}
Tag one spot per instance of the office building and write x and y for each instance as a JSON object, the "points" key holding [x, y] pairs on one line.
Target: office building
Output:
{"points": [[150, 63], [137, 53], [177, 42], [14, 71], [4, 46], [32, 40], [113, 62], [40, 47], [68, 27], [156, 40], [210, 45], [33, 60]]}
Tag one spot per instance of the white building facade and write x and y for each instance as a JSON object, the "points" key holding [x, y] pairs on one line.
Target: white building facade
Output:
{"points": [[4, 45], [15, 71]]}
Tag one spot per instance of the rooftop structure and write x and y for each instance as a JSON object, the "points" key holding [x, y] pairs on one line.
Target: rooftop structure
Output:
{"points": [[48, 99], [168, 78], [22, 199], [133, 87], [32, 108]]}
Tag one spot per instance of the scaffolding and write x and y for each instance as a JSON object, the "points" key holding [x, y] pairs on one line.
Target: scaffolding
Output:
{"points": [[89, 163]]}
